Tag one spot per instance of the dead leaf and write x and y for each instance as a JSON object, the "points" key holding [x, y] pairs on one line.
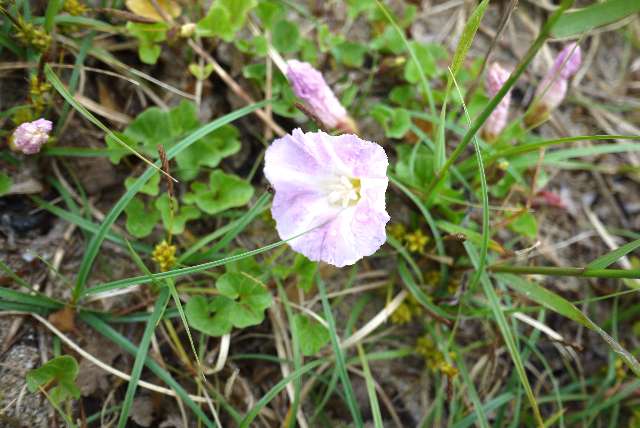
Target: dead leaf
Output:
{"points": [[63, 319], [142, 410], [146, 9]]}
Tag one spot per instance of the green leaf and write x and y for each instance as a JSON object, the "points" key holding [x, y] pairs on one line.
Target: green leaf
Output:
{"points": [[238, 10], [525, 225], [326, 41], [149, 35], [61, 371], [311, 337], [247, 265], [225, 191], [306, 269], [395, 121], [5, 183], [208, 151], [216, 23], [151, 126], [254, 298], [180, 216], [140, 222], [242, 303], [594, 15], [467, 37], [610, 258], [356, 7], [268, 11], [151, 187], [411, 71], [113, 144], [286, 36], [351, 54]]}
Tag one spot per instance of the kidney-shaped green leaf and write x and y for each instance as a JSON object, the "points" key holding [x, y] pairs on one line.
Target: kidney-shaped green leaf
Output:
{"points": [[242, 303], [63, 371]]}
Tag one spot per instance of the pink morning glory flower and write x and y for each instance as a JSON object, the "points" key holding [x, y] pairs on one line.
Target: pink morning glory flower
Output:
{"points": [[335, 182], [558, 89], [308, 84], [31, 135], [495, 123]]}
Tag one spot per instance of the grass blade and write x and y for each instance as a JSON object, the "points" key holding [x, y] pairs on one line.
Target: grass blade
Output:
{"points": [[141, 355], [610, 258], [340, 363], [501, 320], [593, 16]]}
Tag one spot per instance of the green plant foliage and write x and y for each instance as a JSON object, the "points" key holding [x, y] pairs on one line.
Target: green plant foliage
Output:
{"points": [[216, 23], [525, 225], [411, 71], [414, 166], [594, 15], [286, 36], [224, 192], [149, 35], [113, 144], [395, 121], [242, 303], [257, 46], [312, 337], [180, 216], [307, 270], [356, 7], [201, 73], [61, 371], [140, 222], [151, 187], [154, 126], [268, 11], [238, 10], [5, 183], [326, 41], [247, 265], [351, 54]]}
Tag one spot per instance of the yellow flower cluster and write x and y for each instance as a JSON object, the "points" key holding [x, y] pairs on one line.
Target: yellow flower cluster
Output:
{"points": [[164, 255]]}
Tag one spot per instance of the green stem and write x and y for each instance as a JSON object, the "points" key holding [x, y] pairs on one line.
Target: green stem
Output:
{"points": [[524, 63], [557, 271]]}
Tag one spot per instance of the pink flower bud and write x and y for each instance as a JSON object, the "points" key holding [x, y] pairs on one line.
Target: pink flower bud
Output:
{"points": [[554, 96], [30, 136], [309, 85], [495, 123]]}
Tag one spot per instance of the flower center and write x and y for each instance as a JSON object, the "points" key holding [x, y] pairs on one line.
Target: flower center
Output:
{"points": [[346, 191]]}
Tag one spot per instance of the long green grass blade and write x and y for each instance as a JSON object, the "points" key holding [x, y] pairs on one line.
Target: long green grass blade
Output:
{"points": [[141, 356], [466, 38], [594, 15], [615, 255], [113, 335], [339, 356], [505, 329], [371, 388]]}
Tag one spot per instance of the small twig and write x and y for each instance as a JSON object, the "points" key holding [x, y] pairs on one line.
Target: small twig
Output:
{"points": [[311, 116]]}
